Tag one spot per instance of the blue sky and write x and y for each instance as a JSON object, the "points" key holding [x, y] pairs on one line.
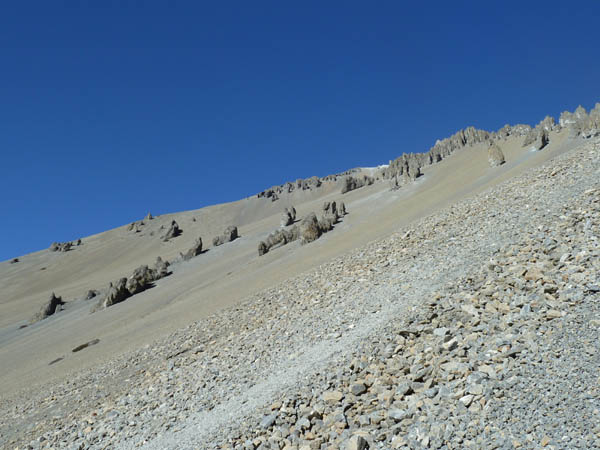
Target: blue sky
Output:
{"points": [[108, 112]]}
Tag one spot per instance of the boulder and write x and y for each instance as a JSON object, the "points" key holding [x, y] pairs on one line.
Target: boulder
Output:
{"points": [[230, 234], [342, 209], [262, 248], [141, 279], [172, 232], [278, 237], [350, 183], [161, 268], [52, 306], [495, 155], [116, 293], [288, 216], [543, 139], [327, 221], [309, 229], [194, 251]]}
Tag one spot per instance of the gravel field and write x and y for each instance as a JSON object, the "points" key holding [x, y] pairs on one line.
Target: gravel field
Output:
{"points": [[477, 327]]}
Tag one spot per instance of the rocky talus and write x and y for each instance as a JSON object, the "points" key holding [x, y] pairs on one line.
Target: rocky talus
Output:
{"points": [[477, 327]]}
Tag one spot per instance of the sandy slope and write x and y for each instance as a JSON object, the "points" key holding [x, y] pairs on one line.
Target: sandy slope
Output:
{"points": [[215, 279]]}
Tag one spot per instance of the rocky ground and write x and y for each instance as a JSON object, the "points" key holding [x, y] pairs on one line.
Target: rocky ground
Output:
{"points": [[476, 328]]}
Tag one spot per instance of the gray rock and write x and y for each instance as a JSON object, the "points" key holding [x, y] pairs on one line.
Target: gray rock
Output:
{"points": [[342, 209], [351, 183], [288, 216], [117, 293], [230, 234], [194, 251], [495, 155], [161, 268], [53, 305], [268, 421], [358, 389], [61, 246], [356, 442], [262, 248], [309, 229], [172, 232]]}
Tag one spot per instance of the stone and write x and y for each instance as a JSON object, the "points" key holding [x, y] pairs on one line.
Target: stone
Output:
{"points": [[140, 280], [229, 234], [194, 251], [49, 308], [309, 229], [161, 268], [117, 293], [358, 389], [288, 216], [466, 400], [268, 421], [332, 397], [172, 232], [351, 183], [356, 442], [398, 414], [495, 155], [262, 248], [61, 246]]}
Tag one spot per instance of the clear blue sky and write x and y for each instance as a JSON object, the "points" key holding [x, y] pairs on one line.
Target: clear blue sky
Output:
{"points": [[108, 112]]}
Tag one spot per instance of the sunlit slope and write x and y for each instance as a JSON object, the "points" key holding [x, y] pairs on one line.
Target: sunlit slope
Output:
{"points": [[219, 277]]}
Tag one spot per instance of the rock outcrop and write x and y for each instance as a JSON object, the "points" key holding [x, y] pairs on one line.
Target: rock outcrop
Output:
{"points": [[194, 251], [288, 217], [262, 248], [539, 136], [230, 234], [309, 229], [302, 184], [172, 232], [116, 293], [161, 267], [351, 183], [409, 166], [581, 123], [142, 278], [495, 155], [61, 246], [49, 308]]}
